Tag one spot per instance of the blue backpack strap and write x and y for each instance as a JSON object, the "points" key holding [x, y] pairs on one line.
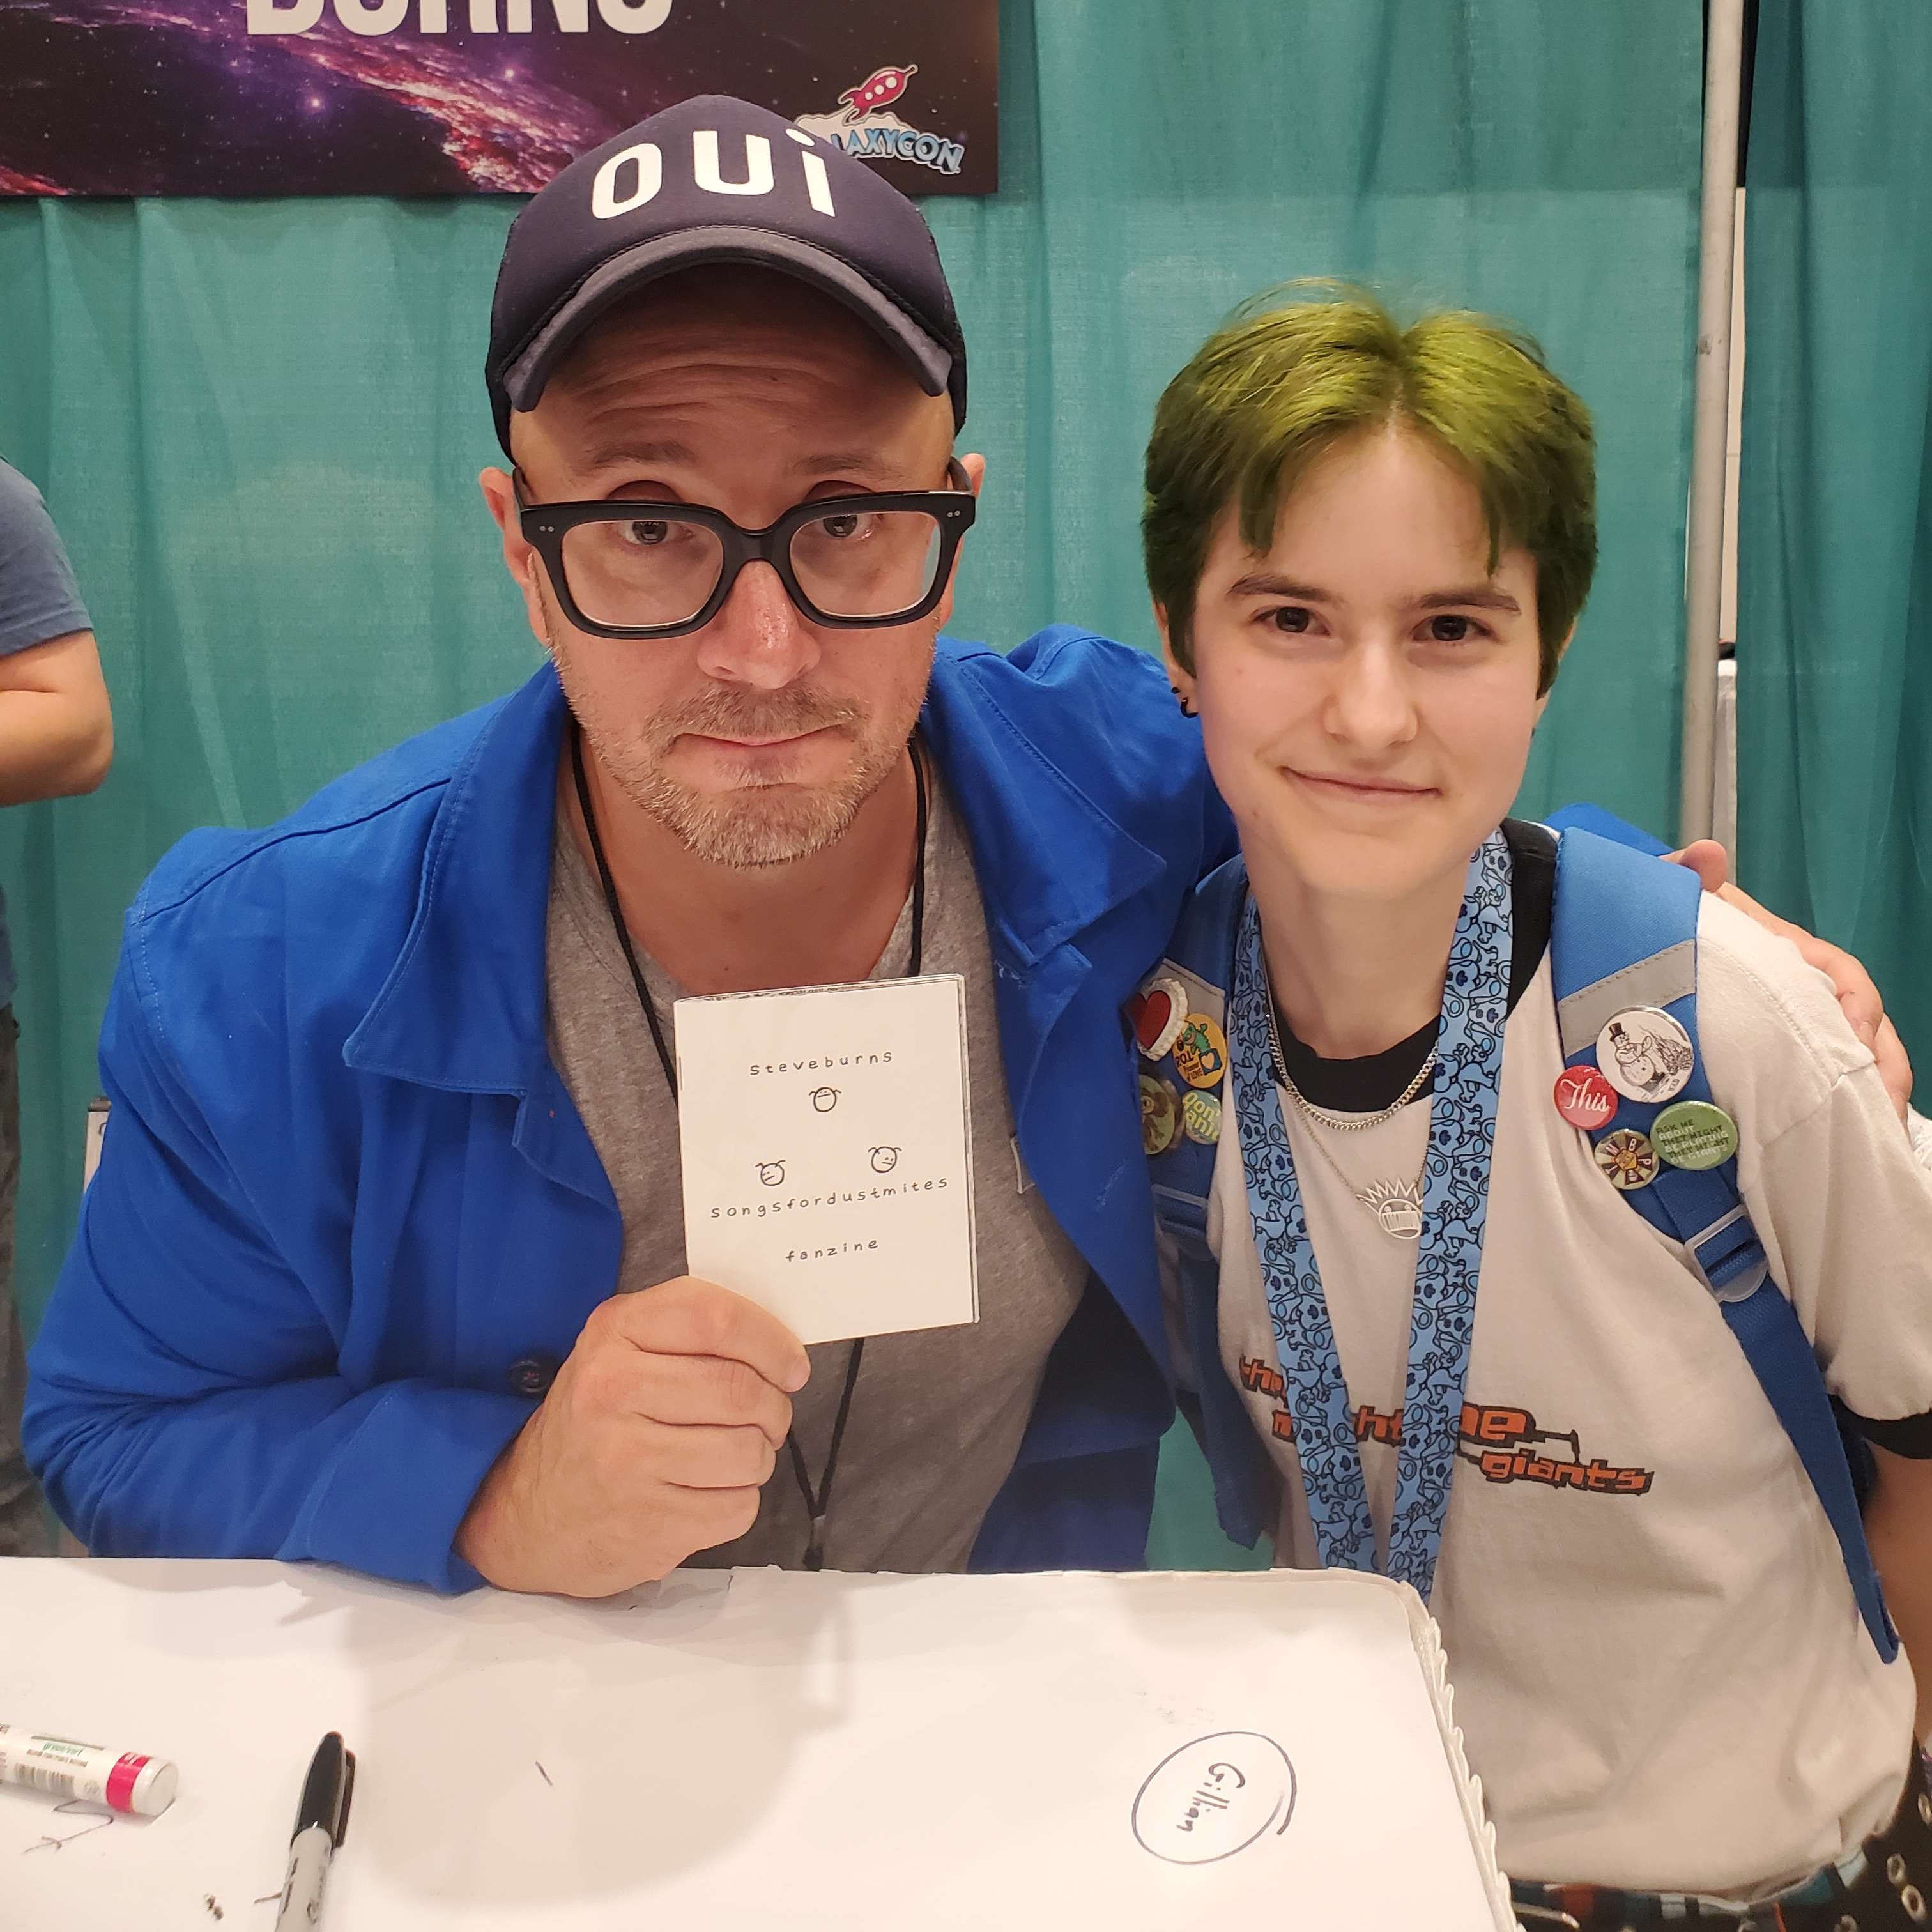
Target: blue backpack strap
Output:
{"points": [[1605, 825], [1624, 934], [1200, 957]]}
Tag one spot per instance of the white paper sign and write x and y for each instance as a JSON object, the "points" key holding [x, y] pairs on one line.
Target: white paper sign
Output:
{"points": [[828, 1171]]}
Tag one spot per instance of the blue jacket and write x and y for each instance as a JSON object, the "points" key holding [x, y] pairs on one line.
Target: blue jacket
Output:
{"points": [[345, 1191]]}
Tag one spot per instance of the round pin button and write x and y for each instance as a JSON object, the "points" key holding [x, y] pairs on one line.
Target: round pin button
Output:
{"points": [[1584, 1098], [1200, 1053], [1628, 1159], [532, 1374], [1645, 1055], [1201, 1117], [1160, 1114], [1158, 1011], [1694, 1134]]}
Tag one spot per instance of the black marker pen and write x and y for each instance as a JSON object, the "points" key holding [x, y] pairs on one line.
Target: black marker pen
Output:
{"points": [[320, 1823]]}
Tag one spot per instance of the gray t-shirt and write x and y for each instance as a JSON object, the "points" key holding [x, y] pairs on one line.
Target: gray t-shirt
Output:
{"points": [[937, 1417], [39, 602]]}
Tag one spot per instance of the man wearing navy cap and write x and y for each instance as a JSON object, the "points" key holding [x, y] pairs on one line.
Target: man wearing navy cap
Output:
{"points": [[384, 1264], [392, 1133]]}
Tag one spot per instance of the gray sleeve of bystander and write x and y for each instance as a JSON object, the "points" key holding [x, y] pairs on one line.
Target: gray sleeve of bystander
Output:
{"points": [[39, 598]]}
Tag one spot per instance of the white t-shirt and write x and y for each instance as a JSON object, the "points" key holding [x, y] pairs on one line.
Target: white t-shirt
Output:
{"points": [[1660, 1667]]}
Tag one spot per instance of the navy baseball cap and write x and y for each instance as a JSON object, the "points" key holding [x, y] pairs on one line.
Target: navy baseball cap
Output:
{"points": [[714, 179]]}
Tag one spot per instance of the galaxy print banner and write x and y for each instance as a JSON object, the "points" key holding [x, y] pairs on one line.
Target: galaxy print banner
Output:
{"points": [[468, 97]]}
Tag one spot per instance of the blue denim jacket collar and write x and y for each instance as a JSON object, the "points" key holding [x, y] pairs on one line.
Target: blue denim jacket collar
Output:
{"points": [[463, 1007]]}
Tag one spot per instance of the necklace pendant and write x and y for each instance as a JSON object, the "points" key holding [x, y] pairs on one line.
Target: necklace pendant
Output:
{"points": [[1397, 1206]]}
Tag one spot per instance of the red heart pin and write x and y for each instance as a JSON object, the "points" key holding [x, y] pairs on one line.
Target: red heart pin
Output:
{"points": [[1150, 1012]]}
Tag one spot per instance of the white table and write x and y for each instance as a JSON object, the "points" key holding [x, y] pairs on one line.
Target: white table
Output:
{"points": [[760, 1751]]}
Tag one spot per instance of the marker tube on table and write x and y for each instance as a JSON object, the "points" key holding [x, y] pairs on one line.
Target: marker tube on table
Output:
{"points": [[123, 1780]]}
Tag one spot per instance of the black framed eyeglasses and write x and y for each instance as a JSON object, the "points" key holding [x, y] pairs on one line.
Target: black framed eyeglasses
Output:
{"points": [[625, 569]]}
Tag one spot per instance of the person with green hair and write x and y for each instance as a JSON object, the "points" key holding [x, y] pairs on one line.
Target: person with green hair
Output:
{"points": [[1368, 545]]}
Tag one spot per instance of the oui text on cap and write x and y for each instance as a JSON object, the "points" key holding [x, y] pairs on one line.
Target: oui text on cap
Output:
{"points": [[717, 180]]}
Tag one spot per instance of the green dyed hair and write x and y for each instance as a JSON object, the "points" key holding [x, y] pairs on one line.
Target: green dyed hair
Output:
{"points": [[1300, 370]]}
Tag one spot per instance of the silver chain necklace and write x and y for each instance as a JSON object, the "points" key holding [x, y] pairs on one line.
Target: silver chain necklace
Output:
{"points": [[1396, 1206], [1342, 1123]]}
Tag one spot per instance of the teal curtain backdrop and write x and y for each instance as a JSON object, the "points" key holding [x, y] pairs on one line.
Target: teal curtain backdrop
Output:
{"points": [[258, 423], [1835, 610]]}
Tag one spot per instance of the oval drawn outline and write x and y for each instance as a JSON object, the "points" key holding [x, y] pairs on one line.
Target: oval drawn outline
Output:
{"points": [[1284, 1806]]}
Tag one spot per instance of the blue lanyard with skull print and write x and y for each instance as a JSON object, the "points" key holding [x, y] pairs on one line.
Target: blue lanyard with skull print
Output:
{"points": [[1455, 1203]]}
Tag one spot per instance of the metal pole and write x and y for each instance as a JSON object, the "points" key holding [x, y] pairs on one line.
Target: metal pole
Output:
{"points": [[1704, 573]]}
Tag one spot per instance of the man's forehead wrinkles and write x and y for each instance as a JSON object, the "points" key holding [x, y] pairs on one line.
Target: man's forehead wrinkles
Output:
{"points": [[649, 409], [681, 384], [647, 420], [662, 355]]}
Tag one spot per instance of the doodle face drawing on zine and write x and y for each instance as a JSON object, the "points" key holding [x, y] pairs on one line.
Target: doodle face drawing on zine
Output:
{"points": [[827, 1155]]}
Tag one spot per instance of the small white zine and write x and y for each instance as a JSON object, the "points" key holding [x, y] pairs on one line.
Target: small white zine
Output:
{"points": [[828, 1163]]}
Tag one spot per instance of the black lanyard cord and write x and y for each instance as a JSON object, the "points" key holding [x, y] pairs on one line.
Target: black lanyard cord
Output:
{"points": [[623, 932], [816, 1505]]}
